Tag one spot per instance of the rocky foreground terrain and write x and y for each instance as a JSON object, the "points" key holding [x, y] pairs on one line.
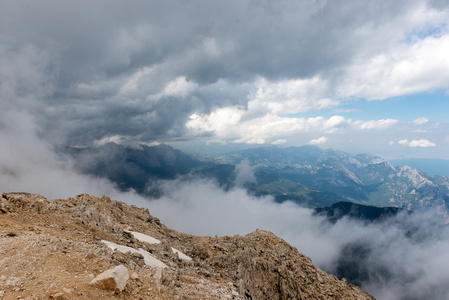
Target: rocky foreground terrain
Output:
{"points": [[60, 249]]}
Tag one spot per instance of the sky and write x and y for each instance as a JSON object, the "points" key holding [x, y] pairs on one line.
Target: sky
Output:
{"points": [[357, 76]]}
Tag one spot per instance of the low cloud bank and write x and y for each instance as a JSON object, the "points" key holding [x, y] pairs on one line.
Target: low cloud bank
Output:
{"points": [[403, 258], [29, 164]]}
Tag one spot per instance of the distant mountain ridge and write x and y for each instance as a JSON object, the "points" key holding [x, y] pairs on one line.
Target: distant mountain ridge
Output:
{"points": [[295, 156], [132, 167], [340, 210], [307, 175], [362, 178], [432, 166]]}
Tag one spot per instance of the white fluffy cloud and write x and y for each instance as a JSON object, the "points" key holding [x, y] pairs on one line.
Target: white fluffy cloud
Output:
{"points": [[318, 141], [409, 68], [376, 124], [422, 143], [420, 121], [235, 125], [290, 96], [414, 66]]}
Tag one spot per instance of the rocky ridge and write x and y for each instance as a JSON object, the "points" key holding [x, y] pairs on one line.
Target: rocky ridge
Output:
{"points": [[54, 249]]}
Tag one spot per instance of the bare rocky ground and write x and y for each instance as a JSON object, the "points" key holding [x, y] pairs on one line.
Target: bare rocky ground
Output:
{"points": [[53, 249]]}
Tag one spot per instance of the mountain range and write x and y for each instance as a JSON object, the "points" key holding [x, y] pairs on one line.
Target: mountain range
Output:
{"points": [[131, 168], [308, 175]]}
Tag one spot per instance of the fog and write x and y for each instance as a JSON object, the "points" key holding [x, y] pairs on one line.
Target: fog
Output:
{"points": [[402, 258], [29, 164]]}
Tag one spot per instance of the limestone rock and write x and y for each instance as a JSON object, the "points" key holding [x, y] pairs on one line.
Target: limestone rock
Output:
{"points": [[149, 259], [57, 248], [112, 279]]}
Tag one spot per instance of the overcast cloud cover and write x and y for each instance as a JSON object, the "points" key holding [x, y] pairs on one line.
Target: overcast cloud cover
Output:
{"points": [[227, 72]]}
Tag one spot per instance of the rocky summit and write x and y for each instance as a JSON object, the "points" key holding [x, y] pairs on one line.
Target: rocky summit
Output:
{"points": [[88, 247]]}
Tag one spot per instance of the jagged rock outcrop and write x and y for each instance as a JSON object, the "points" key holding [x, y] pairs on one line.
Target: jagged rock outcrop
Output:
{"points": [[55, 248]]}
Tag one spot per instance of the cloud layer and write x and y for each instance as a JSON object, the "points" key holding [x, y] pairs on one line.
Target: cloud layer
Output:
{"points": [[422, 143], [403, 258], [160, 72]]}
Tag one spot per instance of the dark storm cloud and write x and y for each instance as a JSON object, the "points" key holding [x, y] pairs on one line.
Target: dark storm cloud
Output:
{"points": [[108, 62]]}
